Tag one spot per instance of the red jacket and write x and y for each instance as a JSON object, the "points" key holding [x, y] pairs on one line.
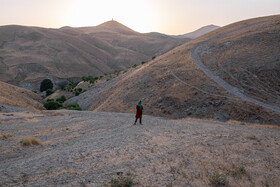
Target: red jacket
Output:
{"points": [[138, 112]]}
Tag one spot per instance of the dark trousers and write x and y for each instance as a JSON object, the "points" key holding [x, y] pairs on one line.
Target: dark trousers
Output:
{"points": [[140, 120]]}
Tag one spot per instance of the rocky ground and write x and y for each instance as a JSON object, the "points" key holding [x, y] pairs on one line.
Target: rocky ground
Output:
{"points": [[91, 148]]}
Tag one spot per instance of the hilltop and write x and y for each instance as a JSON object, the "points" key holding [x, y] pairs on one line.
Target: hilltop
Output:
{"points": [[199, 32], [109, 26]]}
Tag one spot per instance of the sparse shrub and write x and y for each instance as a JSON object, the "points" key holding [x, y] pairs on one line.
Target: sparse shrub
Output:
{"points": [[122, 181], [78, 91], [90, 79], [117, 72], [49, 92], [46, 84], [173, 170], [30, 141], [153, 58], [134, 66], [34, 91], [143, 62], [265, 184], [51, 104], [238, 172], [5, 136], [253, 138], [73, 106], [62, 99], [169, 185], [71, 86], [217, 179]]}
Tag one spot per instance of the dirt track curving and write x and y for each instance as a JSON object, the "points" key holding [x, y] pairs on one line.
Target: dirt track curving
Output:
{"points": [[197, 50]]}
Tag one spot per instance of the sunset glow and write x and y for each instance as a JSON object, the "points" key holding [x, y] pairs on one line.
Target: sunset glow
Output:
{"points": [[166, 16], [139, 15]]}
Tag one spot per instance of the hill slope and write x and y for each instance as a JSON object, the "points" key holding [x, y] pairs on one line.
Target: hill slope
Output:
{"points": [[12, 96], [30, 54], [199, 32], [173, 85]]}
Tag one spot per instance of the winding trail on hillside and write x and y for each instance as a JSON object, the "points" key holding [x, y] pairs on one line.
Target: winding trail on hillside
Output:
{"points": [[229, 88]]}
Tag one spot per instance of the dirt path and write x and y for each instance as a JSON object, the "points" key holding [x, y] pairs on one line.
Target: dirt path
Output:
{"points": [[229, 88], [89, 148]]}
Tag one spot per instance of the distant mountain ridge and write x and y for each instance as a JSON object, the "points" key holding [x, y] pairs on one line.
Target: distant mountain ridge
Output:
{"points": [[199, 32], [30, 54]]}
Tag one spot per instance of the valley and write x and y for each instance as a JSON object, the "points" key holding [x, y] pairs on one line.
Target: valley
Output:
{"points": [[211, 112]]}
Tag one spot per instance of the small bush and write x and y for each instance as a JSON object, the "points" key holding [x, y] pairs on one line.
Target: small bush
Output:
{"points": [[71, 86], [73, 106], [217, 179], [49, 92], [62, 99], [91, 79], [143, 62], [78, 91], [134, 66], [117, 72], [51, 104], [30, 141], [238, 172], [46, 84], [122, 181], [5, 136], [153, 58]]}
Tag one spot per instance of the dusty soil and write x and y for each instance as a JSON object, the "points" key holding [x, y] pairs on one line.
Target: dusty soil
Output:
{"points": [[89, 148]]}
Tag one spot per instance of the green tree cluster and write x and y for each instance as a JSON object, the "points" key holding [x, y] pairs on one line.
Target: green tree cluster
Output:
{"points": [[46, 84]]}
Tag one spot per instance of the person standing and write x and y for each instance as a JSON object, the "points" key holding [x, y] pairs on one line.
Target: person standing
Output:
{"points": [[139, 111]]}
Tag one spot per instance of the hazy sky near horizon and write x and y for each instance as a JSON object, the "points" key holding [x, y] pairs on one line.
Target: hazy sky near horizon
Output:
{"points": [[165, 16]]}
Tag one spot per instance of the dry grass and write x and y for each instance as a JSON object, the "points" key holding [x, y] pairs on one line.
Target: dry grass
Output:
{"points": [[254, 124], [19, 97], [181, 153], [217, 179], [5, 136], [123, 181], [30, 141]]}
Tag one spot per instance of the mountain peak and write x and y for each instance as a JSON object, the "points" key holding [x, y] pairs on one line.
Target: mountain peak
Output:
{"points": [[115, 26], [110, 26]]}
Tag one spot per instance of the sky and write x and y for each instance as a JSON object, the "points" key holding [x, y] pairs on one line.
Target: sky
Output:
{"points": [[165, 16]]}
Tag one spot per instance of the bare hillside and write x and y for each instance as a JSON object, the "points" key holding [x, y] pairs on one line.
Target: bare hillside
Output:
{"points": [[12, 96], [174, 86], [30, 54], [199, 32], [92, 148]]}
